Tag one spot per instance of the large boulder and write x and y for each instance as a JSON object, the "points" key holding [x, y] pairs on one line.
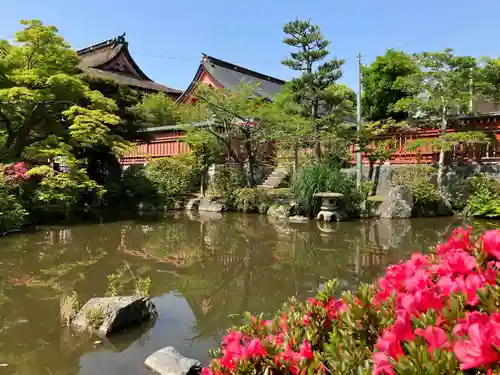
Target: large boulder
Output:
{"points": [[168, 361], [398, 205], [206, 204], [108, 315]]}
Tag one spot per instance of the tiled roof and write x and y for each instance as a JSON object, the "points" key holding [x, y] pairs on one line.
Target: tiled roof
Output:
{"points": [[97, 59], [230, 76]]}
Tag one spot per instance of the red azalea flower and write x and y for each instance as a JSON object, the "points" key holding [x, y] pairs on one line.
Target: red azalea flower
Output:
{"points": [[254, 349], [305, 350]]}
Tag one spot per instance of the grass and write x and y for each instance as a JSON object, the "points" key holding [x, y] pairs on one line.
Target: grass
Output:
{"points": [[143, 286], [69, 306], [95, 317]]}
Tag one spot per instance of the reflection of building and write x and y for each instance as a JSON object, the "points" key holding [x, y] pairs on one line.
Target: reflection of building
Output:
{"points": [[59, 236]]}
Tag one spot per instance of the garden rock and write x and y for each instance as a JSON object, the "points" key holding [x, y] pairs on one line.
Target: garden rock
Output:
{"points": [[298, 219], [193, 204], [398, 205], [279, 211], [206, 204], [168, 361], [118, 313]]}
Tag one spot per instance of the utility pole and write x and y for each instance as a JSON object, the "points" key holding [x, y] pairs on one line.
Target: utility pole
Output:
{"points": [[359, 164], [471, 92]]}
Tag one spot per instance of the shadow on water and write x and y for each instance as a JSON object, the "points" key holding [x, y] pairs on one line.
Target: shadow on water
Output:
{"points": [[204, 267]]}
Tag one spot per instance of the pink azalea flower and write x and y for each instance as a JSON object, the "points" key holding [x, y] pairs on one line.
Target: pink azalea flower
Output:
{"points": [[382, 364], [491, 243], [456, 263], [389, 344], [435, 337], [477, 351], [402, 327], [206, 371]]}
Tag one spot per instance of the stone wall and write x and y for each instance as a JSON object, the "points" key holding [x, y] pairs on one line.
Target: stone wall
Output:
{"points": [[453, 176]]}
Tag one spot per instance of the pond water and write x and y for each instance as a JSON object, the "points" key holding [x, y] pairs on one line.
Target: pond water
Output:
{"points": [[203, 269]]}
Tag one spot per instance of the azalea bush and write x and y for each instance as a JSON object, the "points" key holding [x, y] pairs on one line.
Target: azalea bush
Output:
{"points": [[433, 314], [172, 176], [250, 200]]}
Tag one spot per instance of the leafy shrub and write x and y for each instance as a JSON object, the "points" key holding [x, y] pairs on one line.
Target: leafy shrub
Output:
{"points": [[226, 183], [64, 189], [419, 181], [485, 198], [317, 178], [433, 314], [12, 213], [137, 188], [172, 176], [279, 193], [250, 199]]}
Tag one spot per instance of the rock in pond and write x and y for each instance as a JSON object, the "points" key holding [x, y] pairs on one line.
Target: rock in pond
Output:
{"points": [[279, 211], [168, 361], [193, 204], [398, 205], [108, 315], [298, 219], [206, 204]]}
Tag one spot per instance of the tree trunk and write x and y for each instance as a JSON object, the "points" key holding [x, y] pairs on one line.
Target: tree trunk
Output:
{"points": [[295, 160], [440, 174], [202, 182], [370, 170], [376, 180], [317, 143], [250, 172]]}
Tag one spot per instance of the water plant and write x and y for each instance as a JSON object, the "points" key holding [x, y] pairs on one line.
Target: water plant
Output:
{"points": [[95, 317], [69, 306], [143, 286], [432, 314]]}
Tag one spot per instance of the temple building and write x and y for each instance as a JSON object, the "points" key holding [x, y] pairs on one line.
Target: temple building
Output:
{"points": [[218, 74], [111, 59], [222, 74]]}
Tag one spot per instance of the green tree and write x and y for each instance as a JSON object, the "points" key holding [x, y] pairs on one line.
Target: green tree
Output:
{"points": [[234, 121], [439, 90], [206, 149], [313, 88], [380, 92], [41, 94], [159, 109], [50, 115]]}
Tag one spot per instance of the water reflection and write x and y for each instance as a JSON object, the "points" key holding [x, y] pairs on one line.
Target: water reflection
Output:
{"points": [[204, 267]]}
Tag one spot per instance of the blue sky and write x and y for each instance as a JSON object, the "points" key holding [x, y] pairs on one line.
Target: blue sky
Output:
{"points": [[167, 37]]}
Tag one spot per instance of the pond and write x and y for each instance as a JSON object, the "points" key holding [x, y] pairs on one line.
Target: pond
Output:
{"points": [[204, 268]]}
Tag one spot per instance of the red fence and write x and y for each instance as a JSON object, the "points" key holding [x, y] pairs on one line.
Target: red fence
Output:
{"points": [[170, 143]]}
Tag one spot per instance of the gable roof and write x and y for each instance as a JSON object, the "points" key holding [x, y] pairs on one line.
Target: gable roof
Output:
{"points": [[229, 76], [112, 59]]}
